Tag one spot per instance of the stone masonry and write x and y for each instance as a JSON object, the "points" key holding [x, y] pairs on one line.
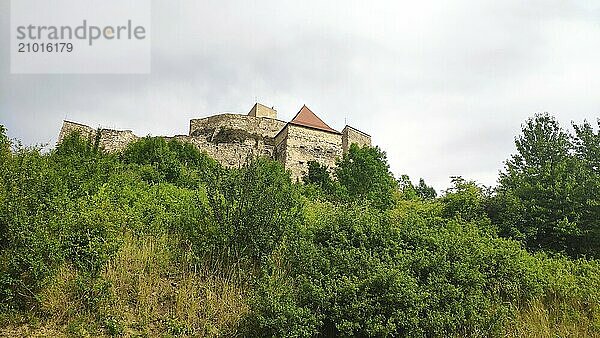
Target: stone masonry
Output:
{"points": [[111, 140], [233, 138]]}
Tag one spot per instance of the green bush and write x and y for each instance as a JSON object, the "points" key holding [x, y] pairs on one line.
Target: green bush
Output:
{"points": [[353, 254], [361, 272], [31, 246], [248, 212], [364, 175], [169, 161], [51, 213]]}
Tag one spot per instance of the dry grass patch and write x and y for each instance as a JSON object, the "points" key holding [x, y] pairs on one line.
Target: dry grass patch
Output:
{"points": [[559, 319], [154, 292]]}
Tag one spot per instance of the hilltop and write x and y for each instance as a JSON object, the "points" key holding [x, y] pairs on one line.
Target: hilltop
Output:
{"points": [[160, 239]]}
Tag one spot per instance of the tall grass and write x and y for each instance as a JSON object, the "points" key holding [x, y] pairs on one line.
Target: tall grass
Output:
{"points": [[555, 318], [152, 291]]}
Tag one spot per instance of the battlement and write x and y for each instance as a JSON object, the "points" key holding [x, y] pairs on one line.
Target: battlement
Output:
{"points": [[232, 138]]}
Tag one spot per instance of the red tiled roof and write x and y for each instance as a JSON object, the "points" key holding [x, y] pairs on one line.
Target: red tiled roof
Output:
{"points": [[307, 118]]}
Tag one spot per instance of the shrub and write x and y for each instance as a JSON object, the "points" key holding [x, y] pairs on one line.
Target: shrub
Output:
{"points": [[356, 271], [30, 248], [248, 211], [169, 161], [364, 175]]}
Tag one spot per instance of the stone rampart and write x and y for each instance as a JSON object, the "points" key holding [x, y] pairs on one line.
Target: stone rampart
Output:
{"points": [[210, 127], [233, 138], [110, 140], [352, 135], [303, 144]]}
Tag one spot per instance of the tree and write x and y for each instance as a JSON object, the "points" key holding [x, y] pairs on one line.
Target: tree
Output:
{"points": [[319, 176], [364, 174], [4, 144], [409, 191], [249, 210], [465, 200], [587, 149], [407, 188], [424, 191], [538, 187]]}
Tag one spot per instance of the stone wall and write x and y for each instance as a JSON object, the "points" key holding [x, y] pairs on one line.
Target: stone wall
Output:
{"points": [[280, 153], [116, 140], [232, 139], [303, 144], [352, 135], [260, 110], [110, 140], [209, 127], [233, 154], [69, 127]]}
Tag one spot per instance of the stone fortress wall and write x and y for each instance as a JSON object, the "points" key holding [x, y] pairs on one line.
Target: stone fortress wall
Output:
{"points": [[232, 138], [111, 140], [300, 145], [352, 135]]}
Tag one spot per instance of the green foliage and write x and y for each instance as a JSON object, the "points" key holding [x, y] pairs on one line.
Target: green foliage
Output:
{"points": [[276, 312], [30, 247], [586, 145], [89, 233], [469, 281], [359, 254], [5, 145], [344, 268], [364, 174], [79, 167], [465, 200], [409, 191], [318, 174], [425, 191], [548, 193], [248, 211], [169, 161], [355, 271], [407, 188]]}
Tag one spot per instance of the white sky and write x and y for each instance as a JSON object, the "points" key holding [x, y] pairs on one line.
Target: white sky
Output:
{"points": [[442, 86]]}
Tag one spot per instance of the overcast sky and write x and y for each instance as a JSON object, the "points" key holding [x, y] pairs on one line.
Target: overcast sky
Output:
{"points": [[442, 86]]}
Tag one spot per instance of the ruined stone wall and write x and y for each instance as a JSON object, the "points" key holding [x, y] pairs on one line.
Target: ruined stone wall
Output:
{"points": [[260, 126], [304, 144], [233, 154], [116, 140], [110, 140], [231, 138], [69, 127], [352, 135], [280, 153]]}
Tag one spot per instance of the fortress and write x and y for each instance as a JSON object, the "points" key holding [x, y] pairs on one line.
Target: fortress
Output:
{"points": [[232, 138]]}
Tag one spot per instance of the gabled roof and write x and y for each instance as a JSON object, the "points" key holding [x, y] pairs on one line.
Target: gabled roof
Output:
{"points": [[307, 118]]}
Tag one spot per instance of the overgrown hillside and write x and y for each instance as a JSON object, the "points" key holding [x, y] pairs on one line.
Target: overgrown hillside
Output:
{"points": [[161, 240]]}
